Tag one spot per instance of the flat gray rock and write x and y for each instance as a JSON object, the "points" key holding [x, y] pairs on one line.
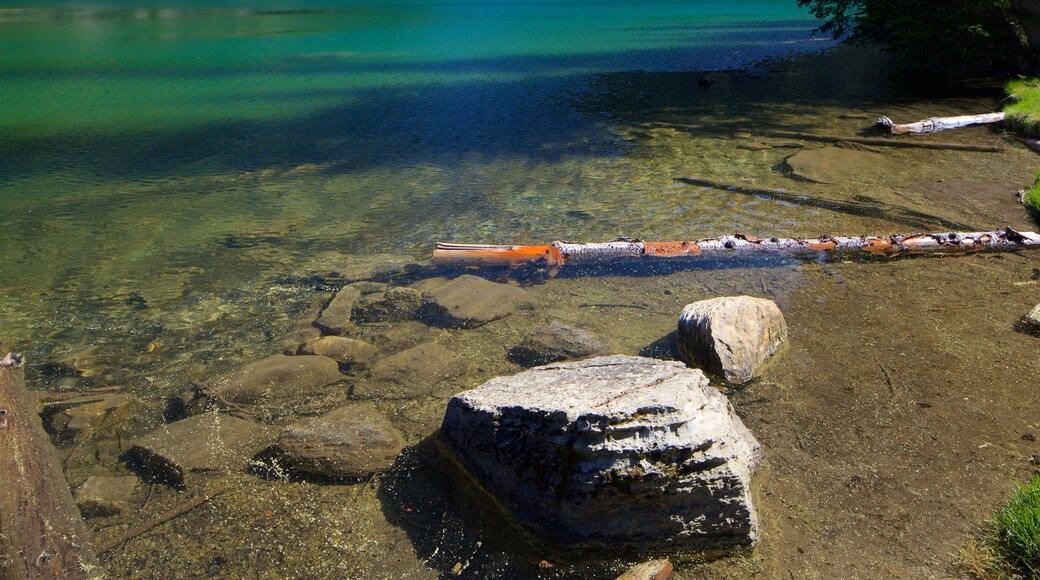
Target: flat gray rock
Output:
{"points": [[352, 441], [469, 301], [733, 336], [105, 496], [206, 443], [610, 453], [557, 342], [410, 373], [335, 318]]}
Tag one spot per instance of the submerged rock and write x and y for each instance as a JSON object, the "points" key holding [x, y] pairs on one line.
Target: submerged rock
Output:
{"points": [[610, 453], [289, 343], [207, 443], [335, 318], [410, 373], [833, 164], [469, 302], [82, 418], [733, 336], [277, 385], [105, 496], [557, 342], [352, 441], [345, 351], [393, 305]]}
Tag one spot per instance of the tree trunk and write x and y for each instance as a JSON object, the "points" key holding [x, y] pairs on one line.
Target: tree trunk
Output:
{"points": [[41, 531], [936, 124], [558, 254]]}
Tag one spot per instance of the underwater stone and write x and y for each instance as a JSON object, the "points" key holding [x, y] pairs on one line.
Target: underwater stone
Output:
{"points": [[833, 164], [610, 453], [345, 351], [391, 306], [410, 373], [733, 335], [335, 318], [352, 441], [556, 342], [207, 443], [105, 496], [81, 418], [469, 301]]}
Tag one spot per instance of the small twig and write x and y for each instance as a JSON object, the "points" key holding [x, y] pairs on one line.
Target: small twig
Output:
{"points": [[144, 527]]}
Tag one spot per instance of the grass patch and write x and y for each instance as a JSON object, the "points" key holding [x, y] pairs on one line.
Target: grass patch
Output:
{"points": [[1023, 110], [1010, 548], [1032, 197]]}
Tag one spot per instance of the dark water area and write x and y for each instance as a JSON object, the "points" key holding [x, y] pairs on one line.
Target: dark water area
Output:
{"points": [[179, 182]]}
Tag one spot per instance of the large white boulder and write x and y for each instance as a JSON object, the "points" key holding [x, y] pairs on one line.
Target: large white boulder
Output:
{"points": [[614, 452]]}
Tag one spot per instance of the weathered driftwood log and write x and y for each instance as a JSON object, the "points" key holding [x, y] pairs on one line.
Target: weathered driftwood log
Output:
{"points": [[41, 531], [558, 254], [935, 124], [867, 208]]}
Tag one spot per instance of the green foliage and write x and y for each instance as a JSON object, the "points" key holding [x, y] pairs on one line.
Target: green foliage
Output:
{"points": [[1023, 108], [1032, 197], [952, 36], [1016, 529]]}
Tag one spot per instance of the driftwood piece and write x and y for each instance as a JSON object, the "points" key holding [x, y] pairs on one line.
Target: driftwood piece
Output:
{"points": [[868, 208], [936, 124], [42, 533], [558, 254], [874, 142]]}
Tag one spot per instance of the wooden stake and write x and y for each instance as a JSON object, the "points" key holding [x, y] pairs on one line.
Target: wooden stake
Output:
{"points": [[42, 533], [936, 124], [559, 254]]}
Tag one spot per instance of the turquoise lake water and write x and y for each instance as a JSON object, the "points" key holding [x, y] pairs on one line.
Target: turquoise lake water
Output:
{"points": [[140, 143], [178, 179]]}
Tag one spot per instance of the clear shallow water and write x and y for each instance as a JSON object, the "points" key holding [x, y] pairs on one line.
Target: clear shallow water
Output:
{"points": [[136, 140], [172, 177]]}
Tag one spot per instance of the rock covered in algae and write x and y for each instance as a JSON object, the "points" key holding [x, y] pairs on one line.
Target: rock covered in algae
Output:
{"points": [[734, 335], [610, 453], [352, 441]]}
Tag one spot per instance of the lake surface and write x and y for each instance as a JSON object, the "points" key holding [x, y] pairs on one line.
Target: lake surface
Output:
{"points": [[140, 143], [178, 179]]}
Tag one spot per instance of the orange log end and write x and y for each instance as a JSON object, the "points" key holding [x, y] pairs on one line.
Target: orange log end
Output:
{"points": [[480, 255]]}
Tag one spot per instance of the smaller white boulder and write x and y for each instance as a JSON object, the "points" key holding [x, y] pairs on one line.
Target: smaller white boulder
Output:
{"points": [[733, 336]]}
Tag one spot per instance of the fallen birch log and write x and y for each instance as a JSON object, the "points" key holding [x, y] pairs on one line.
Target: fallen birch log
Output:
{"points": [[558, 254], [42, 533], [936, 124], [872, 208]]}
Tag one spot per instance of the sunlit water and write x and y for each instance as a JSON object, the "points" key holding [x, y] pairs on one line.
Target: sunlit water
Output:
{"points": [[174, 178], [139, 143]]}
